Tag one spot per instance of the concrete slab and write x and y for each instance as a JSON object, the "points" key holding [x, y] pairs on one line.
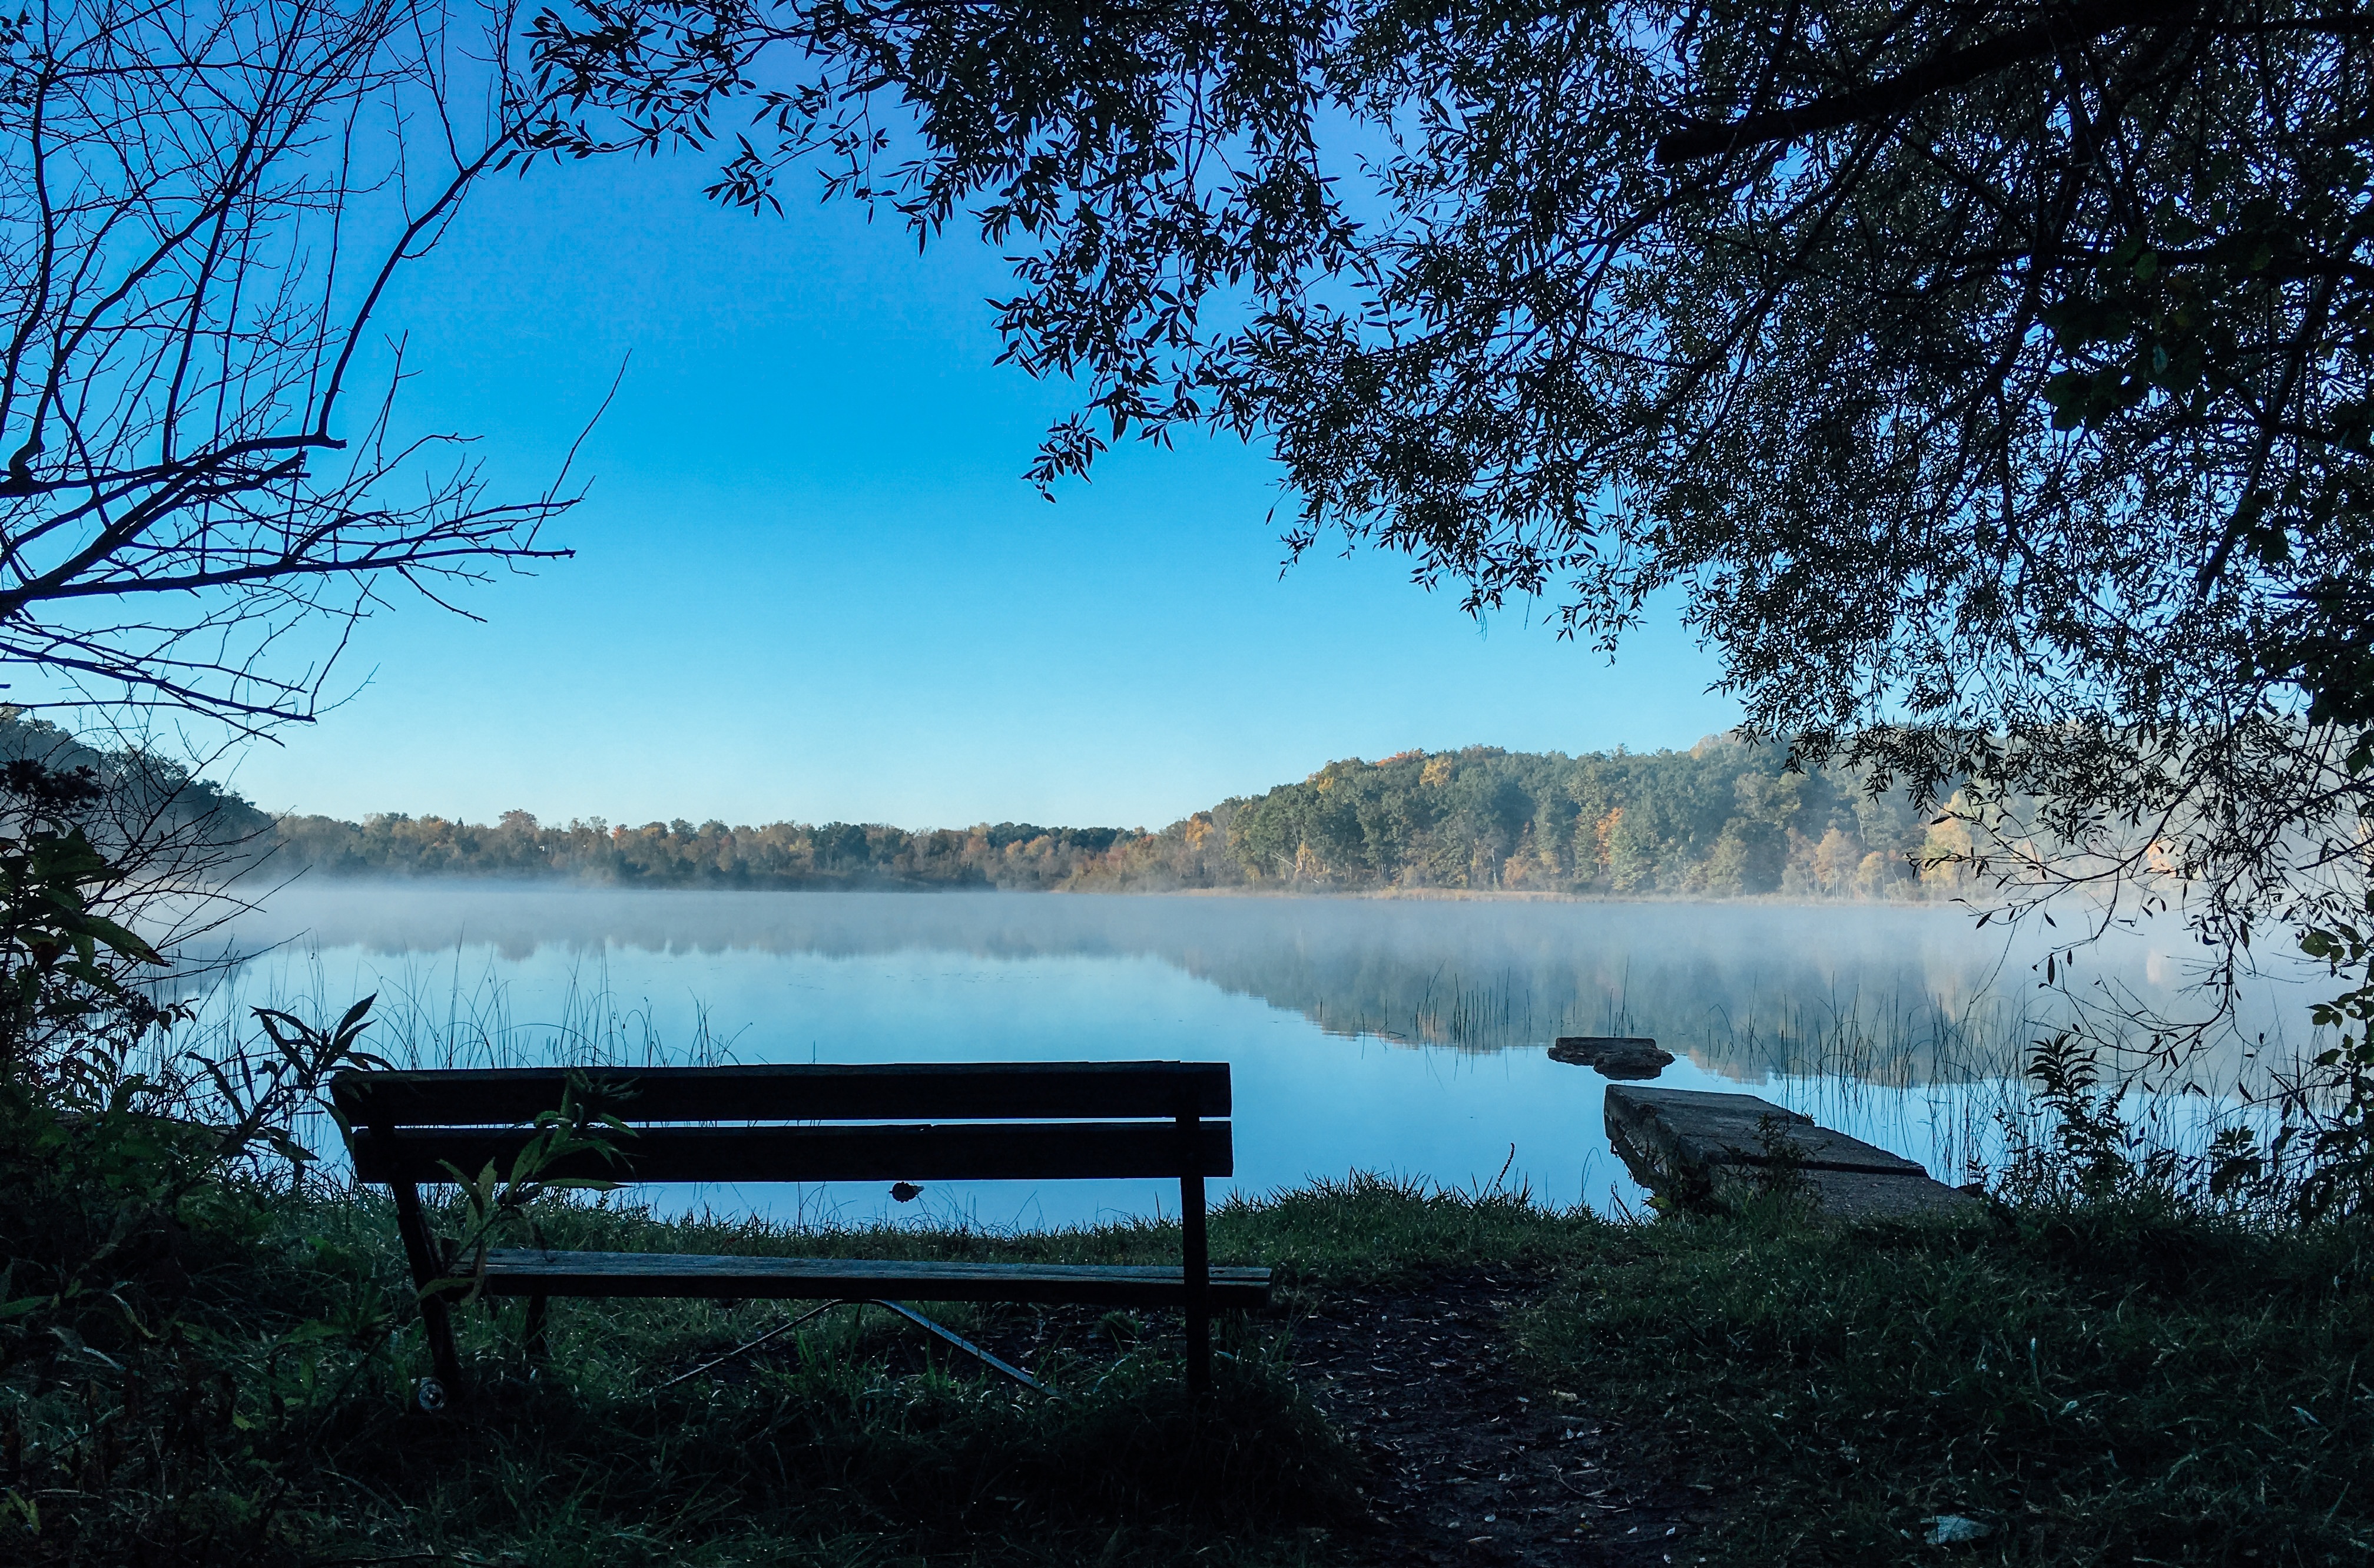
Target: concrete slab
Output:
{"points": [[1698, 1149], [1858, 1194]]}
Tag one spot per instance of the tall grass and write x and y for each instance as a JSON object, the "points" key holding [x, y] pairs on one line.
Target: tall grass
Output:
{"points": [[445, 1016]]}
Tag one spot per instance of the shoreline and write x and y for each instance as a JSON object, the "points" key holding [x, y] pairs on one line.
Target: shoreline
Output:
{"points": [[310, 879]]}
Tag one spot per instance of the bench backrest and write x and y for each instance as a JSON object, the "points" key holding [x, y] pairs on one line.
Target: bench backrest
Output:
{"points": [[923, 1122]]}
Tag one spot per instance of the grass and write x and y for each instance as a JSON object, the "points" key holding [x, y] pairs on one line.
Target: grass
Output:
{"points": [[2127, 1380], [2114, 1383], [272, 1422]]}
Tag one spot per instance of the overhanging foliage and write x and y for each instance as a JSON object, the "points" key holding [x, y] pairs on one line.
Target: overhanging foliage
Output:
{"points": [[1989, 380]]}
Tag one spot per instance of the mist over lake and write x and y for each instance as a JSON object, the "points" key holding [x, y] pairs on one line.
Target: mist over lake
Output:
{"points": [[1403, 1036]]}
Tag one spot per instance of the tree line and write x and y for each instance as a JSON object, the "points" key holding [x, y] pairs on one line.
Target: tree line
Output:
{"points": [[710, 853], [1723, 818]]}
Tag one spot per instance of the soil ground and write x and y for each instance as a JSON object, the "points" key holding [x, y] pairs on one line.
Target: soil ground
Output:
{"points": [[1472, 1464], [1469, 1465]]}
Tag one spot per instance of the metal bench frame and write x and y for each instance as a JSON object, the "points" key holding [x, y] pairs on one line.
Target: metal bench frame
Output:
{"points": [[984, 1121]]}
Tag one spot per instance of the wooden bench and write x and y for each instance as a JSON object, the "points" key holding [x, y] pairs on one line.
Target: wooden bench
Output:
{"points": [[921, 1123]]}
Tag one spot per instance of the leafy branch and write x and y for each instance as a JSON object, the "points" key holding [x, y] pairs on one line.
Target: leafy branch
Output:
{"points": [[579, 1126]]}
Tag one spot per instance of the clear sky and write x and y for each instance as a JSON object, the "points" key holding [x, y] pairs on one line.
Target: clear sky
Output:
{"points": [[810, 582]]}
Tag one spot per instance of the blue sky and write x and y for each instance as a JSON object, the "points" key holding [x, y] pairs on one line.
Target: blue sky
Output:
{"points": [[811, 584]]}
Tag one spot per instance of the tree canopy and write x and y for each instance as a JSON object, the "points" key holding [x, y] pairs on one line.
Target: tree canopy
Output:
{"points": [[1721, 820], [1988, 379]]}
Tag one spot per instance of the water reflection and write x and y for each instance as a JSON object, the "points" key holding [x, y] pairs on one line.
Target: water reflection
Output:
{"points": [[1899, 995], [1387, 1035]]}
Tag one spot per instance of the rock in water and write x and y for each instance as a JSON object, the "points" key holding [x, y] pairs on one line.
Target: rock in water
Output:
{"points": [[1615, 1055]]}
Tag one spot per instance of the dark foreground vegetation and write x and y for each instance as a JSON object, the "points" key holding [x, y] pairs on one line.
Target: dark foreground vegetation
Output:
{"points": [[228, 1379]]}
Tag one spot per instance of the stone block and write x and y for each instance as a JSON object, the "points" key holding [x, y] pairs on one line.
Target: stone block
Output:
{"points": [[1699, 1149], [1621, 1056]]}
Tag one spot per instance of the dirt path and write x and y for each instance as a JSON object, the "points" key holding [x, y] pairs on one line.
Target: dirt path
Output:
{"points": [[1471, 1465]]}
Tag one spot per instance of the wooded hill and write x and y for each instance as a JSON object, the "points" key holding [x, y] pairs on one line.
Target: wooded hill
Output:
{"points": [[1721, 819]]}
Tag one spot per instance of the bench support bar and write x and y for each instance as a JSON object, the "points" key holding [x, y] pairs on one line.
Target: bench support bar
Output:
{"points": [[961, 1343], [910, 1314]]}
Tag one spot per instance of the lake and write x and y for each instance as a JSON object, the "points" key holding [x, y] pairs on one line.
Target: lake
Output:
{"points": [[1404, 1037]]}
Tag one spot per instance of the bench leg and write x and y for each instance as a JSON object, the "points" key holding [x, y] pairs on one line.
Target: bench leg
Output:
{"points": [[442, 1356], [1196, 1264], [532, 1337], [420, 1251]]}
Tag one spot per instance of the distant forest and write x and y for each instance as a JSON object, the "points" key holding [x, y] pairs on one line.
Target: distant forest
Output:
{"points": [[1721, 819]]}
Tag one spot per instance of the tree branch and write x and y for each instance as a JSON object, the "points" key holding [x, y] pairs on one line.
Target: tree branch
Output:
{"points": [[1952, 69]]}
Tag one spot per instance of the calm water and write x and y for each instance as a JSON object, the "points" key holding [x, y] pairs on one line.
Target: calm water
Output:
{"points": [[1397, 1036]]}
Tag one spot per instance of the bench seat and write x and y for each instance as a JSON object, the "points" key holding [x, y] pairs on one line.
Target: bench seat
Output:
{"points": [[523, 1271], [900, 1123]]}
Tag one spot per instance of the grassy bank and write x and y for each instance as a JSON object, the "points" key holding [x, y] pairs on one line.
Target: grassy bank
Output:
{"points": [[2109, 1385], [2093, 1385]]}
